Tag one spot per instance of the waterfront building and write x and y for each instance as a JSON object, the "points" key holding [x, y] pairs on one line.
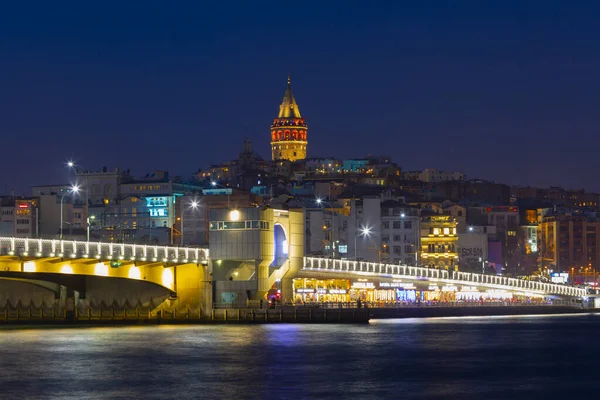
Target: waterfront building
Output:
{"points": [[439, 241], [326, 230], [506, 221], [383, 231], [289, 130], [569, 241], [473, 249], [19, 217]]}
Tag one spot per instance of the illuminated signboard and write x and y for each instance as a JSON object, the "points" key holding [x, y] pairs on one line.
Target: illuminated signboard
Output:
{"points": [[449, 288], [322, 291], [363, 285], [399, 285], [217, 191], [562, 277], [305, 290], [337, 291], [434, 287], [157, 206], [158, 212], [156, 202]]}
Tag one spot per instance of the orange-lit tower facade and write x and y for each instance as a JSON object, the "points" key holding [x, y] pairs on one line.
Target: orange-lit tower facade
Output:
{"points": [[288, 131]]}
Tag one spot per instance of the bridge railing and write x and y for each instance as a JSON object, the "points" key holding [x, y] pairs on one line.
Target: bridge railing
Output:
{"points": [[101, 250], [468, 278]]}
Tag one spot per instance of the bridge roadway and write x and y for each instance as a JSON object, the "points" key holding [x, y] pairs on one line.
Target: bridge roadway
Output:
{"points": [[40, 248], [335, 267], [49, 263], [36, 258]]}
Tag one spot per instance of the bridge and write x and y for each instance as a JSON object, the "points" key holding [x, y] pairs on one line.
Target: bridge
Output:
{"points": [[335, 268], [92, 275], [96, 274], [44, 248]]}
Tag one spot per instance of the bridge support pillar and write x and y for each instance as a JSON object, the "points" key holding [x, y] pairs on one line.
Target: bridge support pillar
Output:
{"points": [[70, 303], [262, 276], [287, 290]]}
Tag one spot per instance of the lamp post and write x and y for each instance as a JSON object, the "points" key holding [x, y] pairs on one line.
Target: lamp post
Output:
{"points": [[193, 205], [320, 201], [88, 226], [365, 231], [73, 166], [74, 189]]}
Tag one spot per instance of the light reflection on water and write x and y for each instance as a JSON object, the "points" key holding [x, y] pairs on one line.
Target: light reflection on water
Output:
{"points": [[493, 358]]}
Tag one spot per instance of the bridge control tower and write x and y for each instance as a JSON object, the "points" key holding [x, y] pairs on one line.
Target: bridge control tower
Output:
{"points": [[254, 251]]}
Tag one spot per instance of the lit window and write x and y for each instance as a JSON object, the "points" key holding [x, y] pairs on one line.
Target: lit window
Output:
{"points": [[446, 231], [436, 231]]}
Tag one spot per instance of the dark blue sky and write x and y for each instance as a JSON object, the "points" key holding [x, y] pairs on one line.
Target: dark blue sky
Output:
{"points": [[506, 91]]}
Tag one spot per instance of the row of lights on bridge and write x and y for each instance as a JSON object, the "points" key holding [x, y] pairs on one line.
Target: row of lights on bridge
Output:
{"points": [[101, 269], [73, 255]]}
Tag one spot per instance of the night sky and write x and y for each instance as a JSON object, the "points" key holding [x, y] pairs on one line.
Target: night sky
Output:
{"points": [[506, 91]]}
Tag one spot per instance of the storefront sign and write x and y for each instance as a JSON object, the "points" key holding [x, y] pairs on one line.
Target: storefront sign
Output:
{"points": [[408, 286], [449, 288], [391, 284], [363, 285], [434, 287], [468, 289], [337, 291], [303, 290], [322, 291]]}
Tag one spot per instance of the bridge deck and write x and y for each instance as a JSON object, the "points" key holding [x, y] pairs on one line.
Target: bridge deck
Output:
{"points": [[100, 250], [451, 277]]}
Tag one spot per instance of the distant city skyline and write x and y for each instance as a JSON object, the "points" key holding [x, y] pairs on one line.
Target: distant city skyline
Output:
{"points": [[506, 93]]}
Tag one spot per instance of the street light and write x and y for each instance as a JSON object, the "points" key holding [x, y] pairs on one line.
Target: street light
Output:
{"points": [[88, 226], [365, 231], [193, 205], [71, 165], [74, 189], [319, 202]]}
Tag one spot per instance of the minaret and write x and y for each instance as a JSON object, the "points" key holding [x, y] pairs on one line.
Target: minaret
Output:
{"points": [[288, 131]]}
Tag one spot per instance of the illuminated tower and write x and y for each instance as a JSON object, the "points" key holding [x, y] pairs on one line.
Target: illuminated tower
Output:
{"points": [[288, 132]]}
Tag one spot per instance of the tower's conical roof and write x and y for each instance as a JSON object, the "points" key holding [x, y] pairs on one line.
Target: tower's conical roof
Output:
{"points": [[288, 107]]}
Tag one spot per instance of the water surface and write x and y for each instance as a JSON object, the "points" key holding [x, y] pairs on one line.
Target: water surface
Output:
{"points": [[439, 358]]}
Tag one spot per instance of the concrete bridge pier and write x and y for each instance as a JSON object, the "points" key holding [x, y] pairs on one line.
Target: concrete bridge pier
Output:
{"points": [[287, 289]]}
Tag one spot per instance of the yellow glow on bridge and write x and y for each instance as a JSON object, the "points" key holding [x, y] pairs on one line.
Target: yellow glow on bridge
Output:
{"points": [[66, 269], [101, 269], [134, 273], [29, 266], [167, 278]]}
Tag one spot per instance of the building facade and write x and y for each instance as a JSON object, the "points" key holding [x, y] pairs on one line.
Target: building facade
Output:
{"points": [[383, 231], [439, 242], [569, 242], [19, 217]]}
